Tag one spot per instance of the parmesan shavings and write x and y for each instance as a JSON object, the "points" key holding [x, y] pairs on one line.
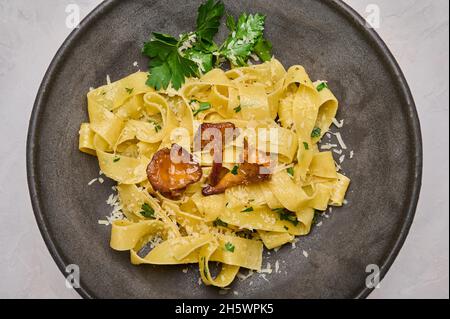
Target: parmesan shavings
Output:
{"points": [[327, 146], [338, 124], [340, 140]]}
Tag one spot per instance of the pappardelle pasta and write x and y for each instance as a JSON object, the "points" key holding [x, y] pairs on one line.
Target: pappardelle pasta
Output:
{"points": [[218, 169]]}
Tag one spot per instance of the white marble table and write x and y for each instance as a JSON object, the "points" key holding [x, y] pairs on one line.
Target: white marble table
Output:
{"points": [[415, 30]]}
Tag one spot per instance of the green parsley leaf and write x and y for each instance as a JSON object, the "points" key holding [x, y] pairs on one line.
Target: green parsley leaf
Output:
{"points": [[290, 171], [229, 247], [204, 60], [219, 222], [306, 145], [129, 90], [316, 132], [290, 217], [247, 210], [147, 211], [156, 125], [263, 48], [208, 19], [322, 86], [231, 23], [204, 106], [167, 65], [116, 159], [285, 227], [242, 39], [237, 109], [248, 234], [234, 170]]}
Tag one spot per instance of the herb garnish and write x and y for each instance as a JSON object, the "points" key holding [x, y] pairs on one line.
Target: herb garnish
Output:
{"points": [[219, 222], [234, 170], [306, 145], [204, 106], [156, 125], [116, 159], [322, 86], [229, 247], [290, 171], [316, 132], [193, 53], [247, 210], [129, 90], [237, 109], [147, 211], [287, 215]]}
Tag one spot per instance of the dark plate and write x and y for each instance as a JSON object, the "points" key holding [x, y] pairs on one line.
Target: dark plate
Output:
{"points": [[331, 41]]}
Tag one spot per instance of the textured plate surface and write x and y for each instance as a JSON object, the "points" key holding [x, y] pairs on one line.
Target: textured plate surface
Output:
{"points": [[331, 41]]}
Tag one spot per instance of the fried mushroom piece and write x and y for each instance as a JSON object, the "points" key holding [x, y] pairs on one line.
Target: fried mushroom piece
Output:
{"points": [[213, 137], [245, 174], [172, 170]]}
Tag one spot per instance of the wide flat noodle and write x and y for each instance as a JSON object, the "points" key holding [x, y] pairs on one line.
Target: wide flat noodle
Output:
{"points": [[280, 115]]}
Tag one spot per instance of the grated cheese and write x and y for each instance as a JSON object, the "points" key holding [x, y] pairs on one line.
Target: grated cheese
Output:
{"points": [[108, 79], [305, 253], [352, 153], [340, 140], [338, 124], [92, 181], [327, 146]]}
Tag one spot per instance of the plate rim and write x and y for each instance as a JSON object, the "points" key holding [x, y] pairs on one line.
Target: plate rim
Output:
{"points": [[338, 5]]}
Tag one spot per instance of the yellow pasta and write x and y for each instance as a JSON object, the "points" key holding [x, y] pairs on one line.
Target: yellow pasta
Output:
{"points": [[279, 114]]}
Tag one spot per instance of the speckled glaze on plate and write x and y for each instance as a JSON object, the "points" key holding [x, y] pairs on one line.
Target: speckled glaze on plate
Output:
{"points": [[332, 42]]}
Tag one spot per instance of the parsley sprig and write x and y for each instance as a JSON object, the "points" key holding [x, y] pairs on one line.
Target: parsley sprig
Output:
{"points": [[194, 53]]}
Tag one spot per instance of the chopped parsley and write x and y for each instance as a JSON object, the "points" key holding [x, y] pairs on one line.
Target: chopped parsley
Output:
{"points": [[237, 109], [285, 227], [316, 132], [290, 171], [234, 170], [147, 211], [130, 91], [306, 145], [156, 125], [287, 215], [247, 210], [322, 86], [219, 222], [116, 159], [204, 106], [229, 247]]}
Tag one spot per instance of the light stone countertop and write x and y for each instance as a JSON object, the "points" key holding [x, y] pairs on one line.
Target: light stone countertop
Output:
{"points": [[417, 33]]}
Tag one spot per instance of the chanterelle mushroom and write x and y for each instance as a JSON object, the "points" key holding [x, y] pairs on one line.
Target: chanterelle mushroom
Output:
{"points": [[172, 170], [243, 174]]}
